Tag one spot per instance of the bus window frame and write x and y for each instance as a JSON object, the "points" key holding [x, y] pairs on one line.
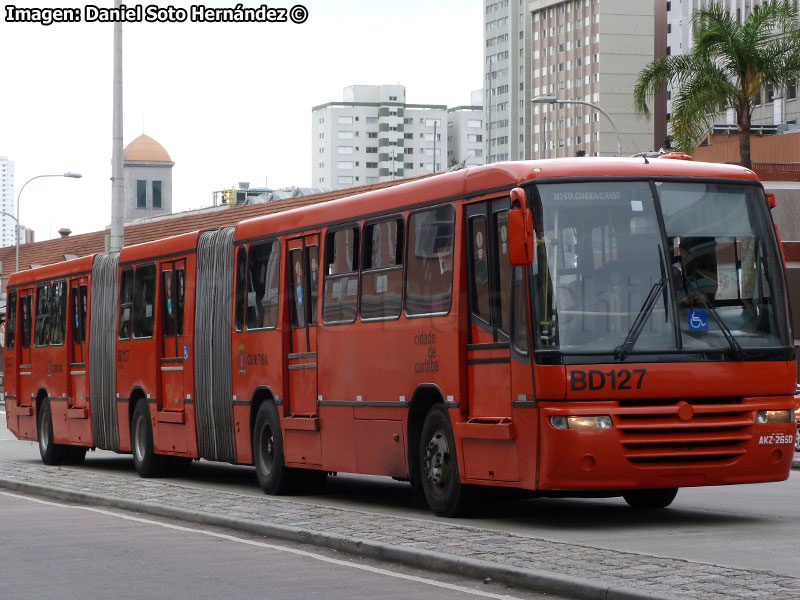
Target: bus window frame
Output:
{"points": [[277, 249], [401, 267], [152, 303], [123, 304], [355, 226], [41, 323], [11, 320], [406, 268], [62, 310]]}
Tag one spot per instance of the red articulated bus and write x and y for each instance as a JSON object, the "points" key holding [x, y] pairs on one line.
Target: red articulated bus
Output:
{"points": [[567, 327]]}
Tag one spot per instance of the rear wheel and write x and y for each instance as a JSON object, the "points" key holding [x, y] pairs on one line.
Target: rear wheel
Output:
{"points": [[797, 439], [51, 453], [146, 461], [273, 476], [650, 499], [445, 494]]}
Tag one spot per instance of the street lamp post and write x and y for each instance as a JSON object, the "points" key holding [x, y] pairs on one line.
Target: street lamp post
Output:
{"points": [[548, 99], [19, 195]]}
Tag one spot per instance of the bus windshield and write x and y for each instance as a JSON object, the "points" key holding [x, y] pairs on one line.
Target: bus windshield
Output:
{"points": [[660, 267]]}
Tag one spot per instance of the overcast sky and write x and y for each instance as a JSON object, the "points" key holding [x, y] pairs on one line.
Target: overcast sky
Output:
{"points": [[229, 102]]}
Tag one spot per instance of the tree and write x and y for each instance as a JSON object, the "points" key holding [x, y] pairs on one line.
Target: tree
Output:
{"points": [[726, 68]]}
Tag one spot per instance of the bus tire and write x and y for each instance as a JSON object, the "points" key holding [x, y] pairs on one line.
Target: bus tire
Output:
{"points": [[145, 459], [274, 477], [445, 494], [75, 455], [51, 453], [650, 499]]}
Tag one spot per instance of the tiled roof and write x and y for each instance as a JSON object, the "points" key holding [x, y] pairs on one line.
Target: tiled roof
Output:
{"points": [[53, 251]]}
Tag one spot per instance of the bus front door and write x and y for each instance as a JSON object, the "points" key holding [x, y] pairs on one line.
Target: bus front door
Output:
{"points": [[301, 422], [498, 374], [25, 387]]}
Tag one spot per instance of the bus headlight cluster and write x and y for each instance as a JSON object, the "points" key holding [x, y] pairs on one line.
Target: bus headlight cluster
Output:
{"points": [[774, 416], [573, 422]]}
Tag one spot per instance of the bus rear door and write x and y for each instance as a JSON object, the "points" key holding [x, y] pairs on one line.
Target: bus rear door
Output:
{"points": [[25, 386], [301, 425], [78, 356]]}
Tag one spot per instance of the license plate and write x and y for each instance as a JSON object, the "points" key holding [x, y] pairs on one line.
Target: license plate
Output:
{"points": [[774, 439]]}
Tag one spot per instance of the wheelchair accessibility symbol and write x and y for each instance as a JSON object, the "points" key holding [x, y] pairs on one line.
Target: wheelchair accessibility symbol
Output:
{"points": [[698, 319]]}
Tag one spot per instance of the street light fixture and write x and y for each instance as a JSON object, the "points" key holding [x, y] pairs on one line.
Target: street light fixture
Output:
{"points": [[19, 195], [549, 99]]}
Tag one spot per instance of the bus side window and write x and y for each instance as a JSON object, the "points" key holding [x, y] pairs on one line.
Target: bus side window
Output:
{"points": [[41, 331], [241, 287], [58, 317], [125, 303], [262, 295], [382, 270], [180, 292], [340, 300], [296, 305], [504, 271], [167, 304], [25, 321], [479, 256], [11, 320], [84, 307], [429, 274], [144, 293]]}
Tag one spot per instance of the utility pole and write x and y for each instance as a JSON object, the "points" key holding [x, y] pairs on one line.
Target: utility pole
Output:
{"points": [[117, 182]]}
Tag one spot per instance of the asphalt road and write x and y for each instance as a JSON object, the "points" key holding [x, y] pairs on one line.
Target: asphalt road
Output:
{"points": [[68, 552], [748, 527]]}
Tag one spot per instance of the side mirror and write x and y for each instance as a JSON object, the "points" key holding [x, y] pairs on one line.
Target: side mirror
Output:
{"points": [[770, 199], [520, 230]]}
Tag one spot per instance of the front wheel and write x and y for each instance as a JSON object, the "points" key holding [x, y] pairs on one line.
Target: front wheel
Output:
{"points": [[51, 453], [445, 494], [273, 476], [650, 499]]}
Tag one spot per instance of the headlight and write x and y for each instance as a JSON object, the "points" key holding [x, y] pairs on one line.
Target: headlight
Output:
{"points": [[572, 422], [774, 416]]}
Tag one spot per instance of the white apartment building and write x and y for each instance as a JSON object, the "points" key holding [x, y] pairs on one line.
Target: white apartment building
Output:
{"points": [[373, 135], [7, 203], [778, 107], [465, 143], [576, 50]]}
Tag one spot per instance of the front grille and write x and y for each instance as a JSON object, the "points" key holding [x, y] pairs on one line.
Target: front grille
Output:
{"points": [[684, 431]]}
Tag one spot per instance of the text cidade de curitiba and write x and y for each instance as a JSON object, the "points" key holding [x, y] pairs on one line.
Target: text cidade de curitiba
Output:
{"points": [[153, 13]]}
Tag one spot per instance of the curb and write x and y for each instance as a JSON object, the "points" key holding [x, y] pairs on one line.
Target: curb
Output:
{"points": [[532, 579]]}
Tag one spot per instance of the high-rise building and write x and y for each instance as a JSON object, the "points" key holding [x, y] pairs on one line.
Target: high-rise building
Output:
{"points": [[373, 135], [465, 145], [587, 51], [774, 106], [7, 203]]}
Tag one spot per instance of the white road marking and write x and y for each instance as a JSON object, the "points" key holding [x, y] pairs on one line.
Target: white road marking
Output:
{"points": [[312, 555]]}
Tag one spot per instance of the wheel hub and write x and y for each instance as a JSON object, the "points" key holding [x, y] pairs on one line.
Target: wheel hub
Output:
{"points": [[437, 460]]}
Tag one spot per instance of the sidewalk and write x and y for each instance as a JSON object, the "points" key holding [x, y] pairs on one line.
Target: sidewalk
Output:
{"points": [[569, 570]]}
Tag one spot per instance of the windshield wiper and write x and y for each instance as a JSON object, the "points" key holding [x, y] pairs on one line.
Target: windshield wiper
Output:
{"points": [[729, 337], [622, 351]]}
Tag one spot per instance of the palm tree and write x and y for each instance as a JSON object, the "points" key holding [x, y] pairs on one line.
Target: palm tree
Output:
{"points": [[728, 64]]}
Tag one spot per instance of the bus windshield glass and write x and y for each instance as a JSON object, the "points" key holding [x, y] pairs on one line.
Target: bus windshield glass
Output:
{"points": [[632, 267]]}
